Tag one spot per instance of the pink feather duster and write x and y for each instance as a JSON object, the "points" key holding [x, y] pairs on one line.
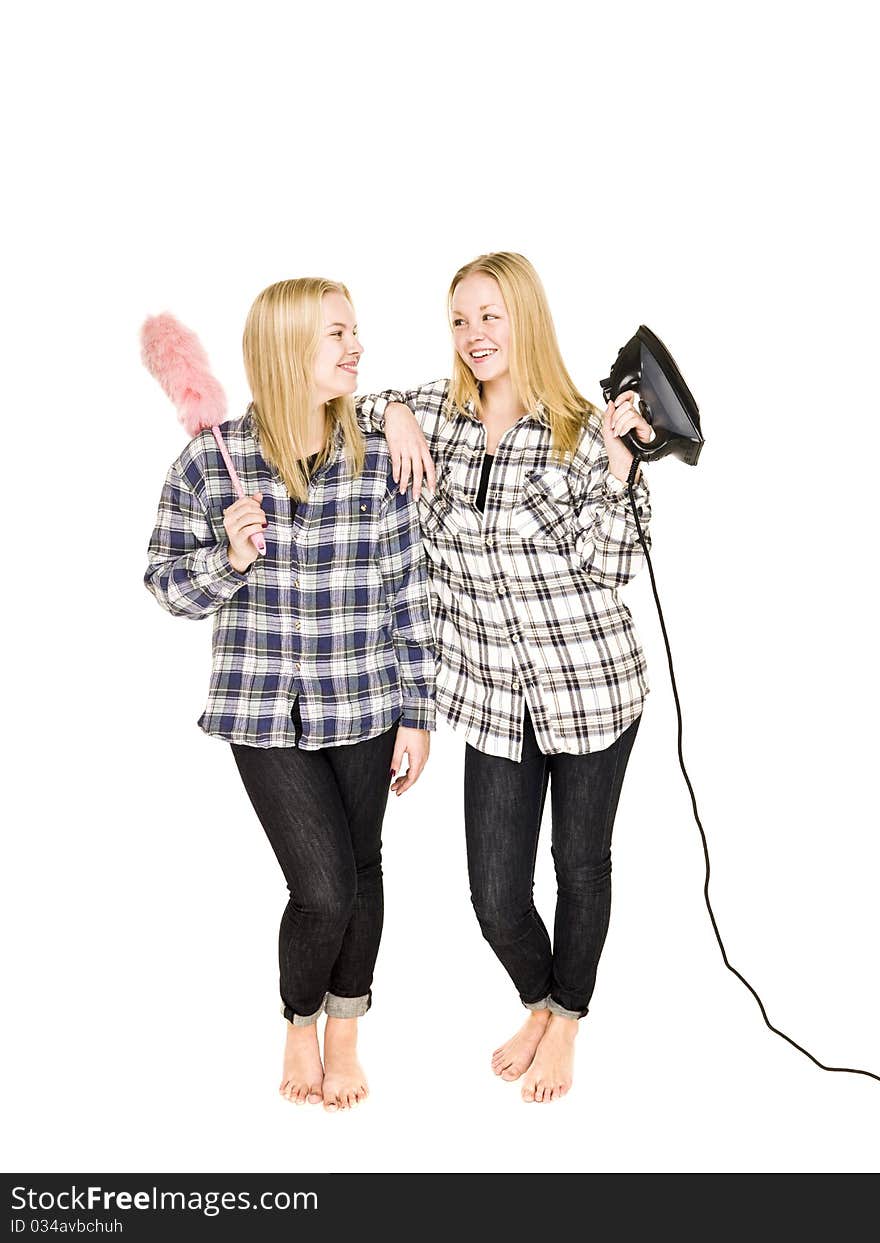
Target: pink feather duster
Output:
{"points": [[173, 355]]}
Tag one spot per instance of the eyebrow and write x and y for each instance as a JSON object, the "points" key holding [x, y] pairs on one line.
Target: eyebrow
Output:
{"points": [[339, 324], [497, 305]]}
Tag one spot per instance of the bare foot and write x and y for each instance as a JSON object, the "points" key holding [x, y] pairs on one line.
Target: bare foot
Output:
{"points": [[303, 1074], [514, 1058], [549, 1076], [345, 1084]]}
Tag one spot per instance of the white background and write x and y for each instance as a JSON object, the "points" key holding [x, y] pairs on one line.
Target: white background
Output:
{"points": [[705, 172]]}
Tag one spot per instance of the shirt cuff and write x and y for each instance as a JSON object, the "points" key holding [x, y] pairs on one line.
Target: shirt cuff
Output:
{"points": [[377, 414], [219, 577], [419, 714], [380, 405]]}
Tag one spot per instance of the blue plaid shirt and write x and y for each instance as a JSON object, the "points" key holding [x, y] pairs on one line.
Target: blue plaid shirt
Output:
{"points": [[334, 619]]}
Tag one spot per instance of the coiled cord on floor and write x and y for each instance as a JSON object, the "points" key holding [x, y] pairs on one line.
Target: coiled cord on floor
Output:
{"points": [[847, 1070]]}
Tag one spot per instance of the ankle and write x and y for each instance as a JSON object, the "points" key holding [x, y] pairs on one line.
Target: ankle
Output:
{"points": [[567, 1028], [304, 1035], [341, 1032]]}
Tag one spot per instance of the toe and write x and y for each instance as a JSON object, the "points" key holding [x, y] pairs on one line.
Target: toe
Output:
{"points": [[314, 1096], [528, 1092], [510, 1073]]}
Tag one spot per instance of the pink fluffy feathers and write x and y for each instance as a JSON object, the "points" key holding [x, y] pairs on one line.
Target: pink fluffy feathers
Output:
{"points": [[174, 356]]}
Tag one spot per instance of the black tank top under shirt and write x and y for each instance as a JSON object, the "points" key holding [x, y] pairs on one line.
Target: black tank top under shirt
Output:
{"points": [[310, 470], [488, 459]]}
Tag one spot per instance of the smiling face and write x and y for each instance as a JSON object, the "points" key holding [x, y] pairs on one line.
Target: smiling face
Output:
{"points": [[481, 327], [339, 350]]}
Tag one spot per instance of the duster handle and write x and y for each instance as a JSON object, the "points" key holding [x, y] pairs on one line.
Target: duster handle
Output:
{"points": [[257, 540]]}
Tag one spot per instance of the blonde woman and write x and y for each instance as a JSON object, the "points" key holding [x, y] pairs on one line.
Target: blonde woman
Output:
{"points": [[528, 535], [322, 677]]}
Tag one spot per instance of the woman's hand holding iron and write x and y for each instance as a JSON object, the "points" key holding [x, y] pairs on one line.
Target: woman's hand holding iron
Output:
{"points": [[242, 520], [410, 458], [621, 416]]}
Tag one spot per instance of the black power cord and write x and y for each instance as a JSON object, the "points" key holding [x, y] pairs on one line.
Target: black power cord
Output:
{"points": [[847, 1070]]}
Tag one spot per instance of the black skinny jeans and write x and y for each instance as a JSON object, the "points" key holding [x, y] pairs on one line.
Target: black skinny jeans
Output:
{"points": [[504, 801], [322, 812]]}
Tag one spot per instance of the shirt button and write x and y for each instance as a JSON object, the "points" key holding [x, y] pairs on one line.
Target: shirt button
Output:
{"points": [[514, 638], [501, 589], [297, 626], [297, 665], [490, 543], [363, 509], [296, 582]]}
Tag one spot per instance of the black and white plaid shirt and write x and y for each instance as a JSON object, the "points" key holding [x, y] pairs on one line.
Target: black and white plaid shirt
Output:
{"points": [[524, 597], [335, 615]]}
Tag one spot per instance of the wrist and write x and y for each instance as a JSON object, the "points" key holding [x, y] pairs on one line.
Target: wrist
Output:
{"points": [[619, 466], [618, 476], [238, 564]]}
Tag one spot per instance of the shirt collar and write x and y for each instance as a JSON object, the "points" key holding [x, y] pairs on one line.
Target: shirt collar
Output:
{"points": [[337, 438], [539, 413]]}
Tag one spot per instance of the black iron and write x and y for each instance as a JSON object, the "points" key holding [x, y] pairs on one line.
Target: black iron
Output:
{"points": [[645, 365]]}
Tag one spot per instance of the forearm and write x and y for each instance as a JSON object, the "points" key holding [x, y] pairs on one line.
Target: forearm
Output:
{"points": [[196, 584], [370, 409], [607, 540], [188, 568]]}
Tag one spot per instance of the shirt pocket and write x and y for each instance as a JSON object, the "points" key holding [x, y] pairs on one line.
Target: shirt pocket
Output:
{"points": [[545, 514], [435, 508]]}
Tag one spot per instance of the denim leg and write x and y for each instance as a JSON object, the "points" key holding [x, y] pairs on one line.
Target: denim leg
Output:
{"points": [[504, 801], [297, 800], [362, 776], [585, 790]]}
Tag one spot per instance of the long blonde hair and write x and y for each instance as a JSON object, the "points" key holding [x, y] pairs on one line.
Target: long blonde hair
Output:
{"points": [[538, 374], [281, 337]]}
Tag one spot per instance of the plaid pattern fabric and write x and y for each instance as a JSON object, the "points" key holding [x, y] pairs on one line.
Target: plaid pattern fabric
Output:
{"points": [[524, 597], [335, 615]]}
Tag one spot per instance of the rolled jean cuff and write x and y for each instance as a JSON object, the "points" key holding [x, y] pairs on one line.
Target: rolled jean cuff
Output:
{"points": [[555, 1008], [346, 1007], [301, 1020], [543, 1004]]}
